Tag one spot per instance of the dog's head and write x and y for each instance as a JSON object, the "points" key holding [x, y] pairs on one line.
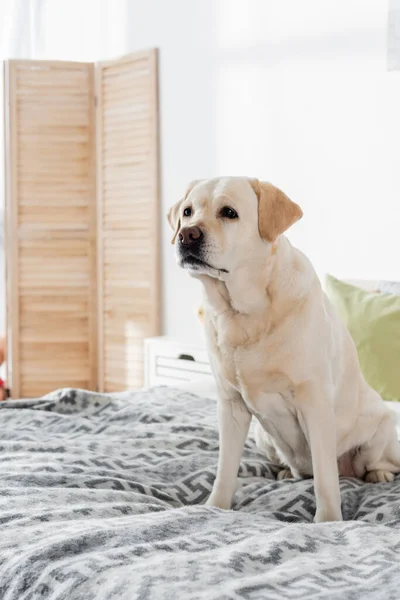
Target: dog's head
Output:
{"points": [[222, 224]]}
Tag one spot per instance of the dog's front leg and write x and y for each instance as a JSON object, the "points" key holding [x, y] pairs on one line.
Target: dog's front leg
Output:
{"points": [[319, 421], [234, 422]]}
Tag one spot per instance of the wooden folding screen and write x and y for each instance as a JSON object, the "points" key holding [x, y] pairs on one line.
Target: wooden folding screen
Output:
{"points": [[127, 216], [50, 232], [82, 282]]}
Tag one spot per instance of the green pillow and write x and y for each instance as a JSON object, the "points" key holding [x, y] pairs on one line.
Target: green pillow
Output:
{"points": [[373, 320]]}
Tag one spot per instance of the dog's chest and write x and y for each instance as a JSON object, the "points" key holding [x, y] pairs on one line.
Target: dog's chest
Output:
{"points": [[252, 371], [246, 357]]}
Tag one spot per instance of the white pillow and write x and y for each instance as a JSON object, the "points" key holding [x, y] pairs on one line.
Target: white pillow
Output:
{"points": [[389, 287]]}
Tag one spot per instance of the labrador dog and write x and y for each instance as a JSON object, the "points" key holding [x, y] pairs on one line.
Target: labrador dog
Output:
{"points": [[277, 348]]}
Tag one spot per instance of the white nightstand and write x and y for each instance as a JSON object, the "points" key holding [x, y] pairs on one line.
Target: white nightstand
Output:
{"points": [[169, 362]]}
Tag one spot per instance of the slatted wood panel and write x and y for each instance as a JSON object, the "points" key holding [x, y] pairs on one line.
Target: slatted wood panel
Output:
{"points": [[127, 151], [51, 226]]}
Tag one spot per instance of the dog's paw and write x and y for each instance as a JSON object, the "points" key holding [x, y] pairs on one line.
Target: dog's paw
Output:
{"points": [[216, 502], [379, 476], [326, 516], [285, 474]]}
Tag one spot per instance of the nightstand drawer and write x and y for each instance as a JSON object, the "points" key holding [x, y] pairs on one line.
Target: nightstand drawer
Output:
{"points": [[181, 364], [173, 375], [177, 351], [168, 361]]}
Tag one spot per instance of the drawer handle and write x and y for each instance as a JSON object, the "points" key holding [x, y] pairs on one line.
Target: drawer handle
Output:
{"points": [[186, 357]]}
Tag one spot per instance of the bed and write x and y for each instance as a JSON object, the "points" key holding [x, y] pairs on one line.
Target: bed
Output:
{"points": [[101, 498]]}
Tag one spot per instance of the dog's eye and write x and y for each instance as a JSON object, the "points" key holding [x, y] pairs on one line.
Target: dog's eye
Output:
{"points": [[228, 213], [187, 212]]}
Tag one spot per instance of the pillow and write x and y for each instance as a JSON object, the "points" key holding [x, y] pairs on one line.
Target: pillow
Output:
{"points": [[389, 287], [373, 320]]}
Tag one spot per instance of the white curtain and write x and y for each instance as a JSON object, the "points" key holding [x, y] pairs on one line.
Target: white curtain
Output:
{"points": [[15, 42], [82, 30]]}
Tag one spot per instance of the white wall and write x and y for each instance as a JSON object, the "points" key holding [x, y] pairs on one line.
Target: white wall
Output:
{"points": [[293, 91], [296, 92]]}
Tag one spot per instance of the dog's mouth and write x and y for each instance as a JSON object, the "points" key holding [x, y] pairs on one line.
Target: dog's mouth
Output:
{"points": [[195, 263]]}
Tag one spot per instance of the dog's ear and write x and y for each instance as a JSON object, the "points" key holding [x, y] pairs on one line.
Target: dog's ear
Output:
{"points": [[173, 213], [174, 220], [276, 212]]}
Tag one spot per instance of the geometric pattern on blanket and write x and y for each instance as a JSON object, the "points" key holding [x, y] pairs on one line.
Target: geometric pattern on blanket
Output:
{"points": [[101, 498]]}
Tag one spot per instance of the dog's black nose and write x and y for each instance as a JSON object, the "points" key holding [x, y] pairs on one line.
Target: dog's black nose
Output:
{"points": [[190, 235]]}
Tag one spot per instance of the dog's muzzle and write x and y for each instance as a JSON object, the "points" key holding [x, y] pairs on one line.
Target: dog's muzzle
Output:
{"points": [[190, 242], [192, 250], [190, 237]]}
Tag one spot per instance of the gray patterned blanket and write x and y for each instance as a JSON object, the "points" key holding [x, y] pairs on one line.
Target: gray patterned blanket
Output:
{"points": [[101, 499]]}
